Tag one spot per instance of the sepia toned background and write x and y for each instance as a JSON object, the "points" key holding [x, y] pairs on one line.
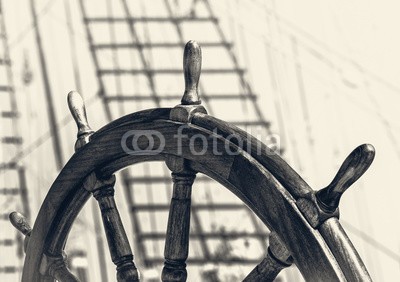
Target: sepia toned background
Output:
{"points": [[325, 73]]}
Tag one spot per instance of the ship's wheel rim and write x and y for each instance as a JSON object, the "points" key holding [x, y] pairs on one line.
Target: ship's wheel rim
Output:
{"points": [[104, 151]]}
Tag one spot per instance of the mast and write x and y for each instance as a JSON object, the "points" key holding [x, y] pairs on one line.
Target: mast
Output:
{"points": [[57, 147], [13, 186]]}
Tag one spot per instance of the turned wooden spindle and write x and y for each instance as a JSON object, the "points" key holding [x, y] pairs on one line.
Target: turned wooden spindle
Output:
{"points": [[354, 166], [177, 238], [78, 110], [103, 191], [278, 258], [191, 69], [118, 244]]}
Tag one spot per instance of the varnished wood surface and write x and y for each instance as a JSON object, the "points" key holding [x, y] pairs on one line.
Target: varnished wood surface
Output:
{"points": [[278, 258], [353, 167], [254, 179], [20, 223], [266, 271], [118, 244], [342, 247], [176, 249], [191, 69], [270, 160], [66, 198]]}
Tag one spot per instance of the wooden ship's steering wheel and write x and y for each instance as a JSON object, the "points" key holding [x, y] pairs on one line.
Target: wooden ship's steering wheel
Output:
{"points": [[304, 223]]}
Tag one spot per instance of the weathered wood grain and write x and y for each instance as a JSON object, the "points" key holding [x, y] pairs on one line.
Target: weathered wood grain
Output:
{"points": [[55, 267], [20, 223], [177, 236], [267, 157], [303, 224], [191, 70], [343, 250], [278, 257], [247, 176], [354, 166], [118, 244]]}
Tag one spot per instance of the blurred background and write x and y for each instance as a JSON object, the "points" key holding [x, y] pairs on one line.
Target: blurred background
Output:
{"points": [[318, 78]]}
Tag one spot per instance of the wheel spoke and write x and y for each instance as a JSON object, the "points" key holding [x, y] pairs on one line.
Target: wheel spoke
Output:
{"points": [[278, 258], [177, 239], [103, 191], [56, 268], [120, 250]]}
